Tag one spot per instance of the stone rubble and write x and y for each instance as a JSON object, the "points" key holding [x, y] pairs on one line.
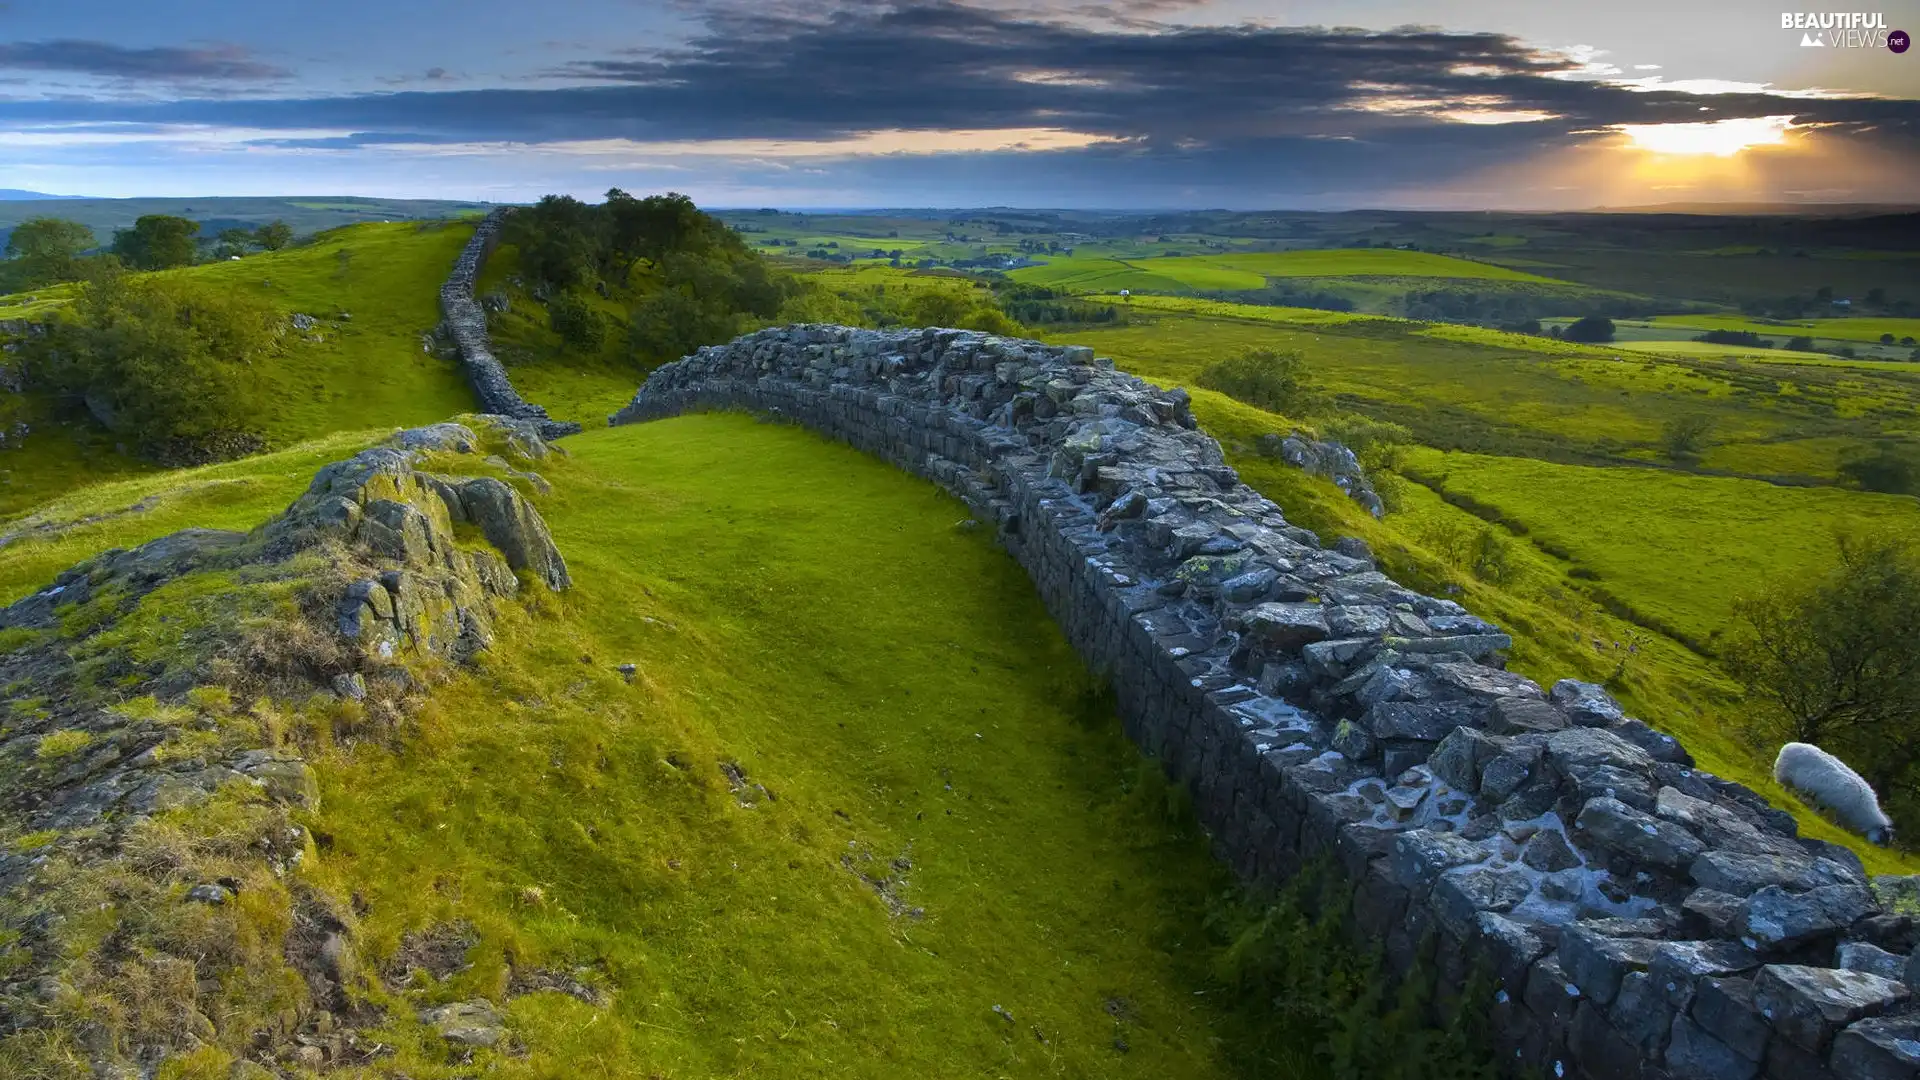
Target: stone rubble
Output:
{"points": [[1645, 918]]}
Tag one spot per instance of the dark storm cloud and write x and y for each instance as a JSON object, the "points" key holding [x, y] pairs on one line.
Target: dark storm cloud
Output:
{"points": [[163, 63]]}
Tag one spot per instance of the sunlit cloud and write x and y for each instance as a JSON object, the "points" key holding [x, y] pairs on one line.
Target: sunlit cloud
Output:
{"points": [[1720, 138], [1390, 100]]}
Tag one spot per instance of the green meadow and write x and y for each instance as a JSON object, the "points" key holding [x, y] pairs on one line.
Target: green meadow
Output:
{"points": [[1240, 271], [1864, 329]]}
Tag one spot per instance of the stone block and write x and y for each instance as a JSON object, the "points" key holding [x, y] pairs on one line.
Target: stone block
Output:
{"points": [[1808, 1006], [1597, 963], [1694, 1054]]}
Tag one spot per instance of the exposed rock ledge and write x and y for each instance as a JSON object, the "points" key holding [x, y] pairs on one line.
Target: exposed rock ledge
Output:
{"points": [[146, 681], [1644, 918]]}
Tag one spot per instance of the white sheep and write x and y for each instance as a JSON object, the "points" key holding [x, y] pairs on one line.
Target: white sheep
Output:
{"points": [[1827, 782]]}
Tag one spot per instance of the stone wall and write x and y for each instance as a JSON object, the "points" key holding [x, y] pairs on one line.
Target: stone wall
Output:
{"points": [[1643, 918], [466, 323]]}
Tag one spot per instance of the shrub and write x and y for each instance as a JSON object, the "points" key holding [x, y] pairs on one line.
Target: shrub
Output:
{"points": [[1275, 381], [579, 325], [1593, 329], [1684, 437], [1491, 557], [166, 363], [1880, 468]]}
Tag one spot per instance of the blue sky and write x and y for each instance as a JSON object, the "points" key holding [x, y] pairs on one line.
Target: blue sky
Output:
{"points": [[1128, 103]]}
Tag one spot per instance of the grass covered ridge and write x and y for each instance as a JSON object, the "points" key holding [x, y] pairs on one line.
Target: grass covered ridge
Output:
{"points": [[366, 369], [858, 810]]}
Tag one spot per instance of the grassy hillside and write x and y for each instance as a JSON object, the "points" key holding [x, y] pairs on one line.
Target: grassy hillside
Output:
{"points": [[1681, 546], [374, 291], [859, 810], [306, 215]]}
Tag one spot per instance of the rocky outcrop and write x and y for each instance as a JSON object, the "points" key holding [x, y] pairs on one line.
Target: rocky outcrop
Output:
{"points": [[465, 321], [148, 680], [1329, 460], [1643, 917]]}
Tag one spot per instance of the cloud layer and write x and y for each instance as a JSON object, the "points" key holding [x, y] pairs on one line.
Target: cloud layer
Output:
{"points": [[926, 101]]}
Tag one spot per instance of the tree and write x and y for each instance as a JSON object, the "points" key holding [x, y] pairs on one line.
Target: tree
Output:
{"points": [[166, 363], [273, 236], [1275, 381], [44, 251], [1833, 658], [1685, 436], [1886, 339], [156, 242], [1593, 329], [233, 242], [1800, 344], [560, 240]]}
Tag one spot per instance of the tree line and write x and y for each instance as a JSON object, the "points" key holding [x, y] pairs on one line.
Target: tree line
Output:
{"points": [[45, 251]]}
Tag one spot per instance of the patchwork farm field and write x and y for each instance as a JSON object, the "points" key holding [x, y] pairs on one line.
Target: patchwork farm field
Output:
{"points": [[1250, 270], [1467, 388]]}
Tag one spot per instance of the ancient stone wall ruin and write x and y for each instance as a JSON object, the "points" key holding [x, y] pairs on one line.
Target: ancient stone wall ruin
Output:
{"points": [[1642, 918], [466, 323]]}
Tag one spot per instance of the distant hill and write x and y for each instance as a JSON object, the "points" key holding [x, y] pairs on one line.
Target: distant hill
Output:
{"points": [[307, 214], [21, 195], [1763, 208]]}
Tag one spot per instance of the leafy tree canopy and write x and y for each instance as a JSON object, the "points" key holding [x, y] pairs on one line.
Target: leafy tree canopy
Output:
{"points": [[45, 251], [169, 364], [157, 242]]}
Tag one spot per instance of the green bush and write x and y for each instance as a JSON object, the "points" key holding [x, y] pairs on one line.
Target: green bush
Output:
{"points": [[1275, 381], [1880, 468], [579, 325], [1292, 962], [1593, 329], [1683, 437], [166, 363]]}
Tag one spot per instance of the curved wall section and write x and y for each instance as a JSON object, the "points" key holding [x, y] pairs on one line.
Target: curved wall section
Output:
{"points": [[1643, 918], [466, 323]]}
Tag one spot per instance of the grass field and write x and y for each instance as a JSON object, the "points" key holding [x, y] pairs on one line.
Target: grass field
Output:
{"points": [[1864, 329], [1250, 270], [1369, 262], [1646, 532], [1464, 388], [1097, 274]]}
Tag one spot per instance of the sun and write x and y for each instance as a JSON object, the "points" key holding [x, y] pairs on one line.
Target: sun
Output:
{"points": [[1719, 138]]}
